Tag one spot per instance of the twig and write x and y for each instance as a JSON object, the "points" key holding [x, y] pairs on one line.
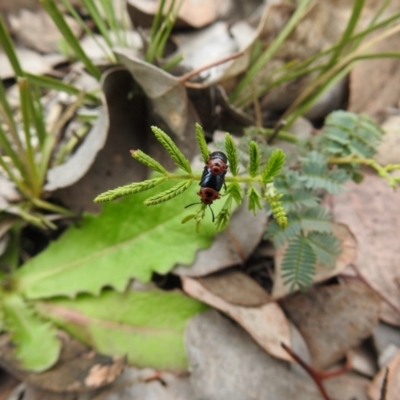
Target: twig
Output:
{"points": [[156, 375], [317, 376], [278, 127], [195, 72], [384, 385], [257, 110], [381, 295]]}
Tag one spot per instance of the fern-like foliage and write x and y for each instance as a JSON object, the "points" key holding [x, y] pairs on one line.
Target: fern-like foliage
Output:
{"points": [[326, 247], [346, 134], [231, 152], [168, 194], [255, 159], [328, 160], [180, 160], [317, 175], [274, 165], [260, 185], [201, 141], [298, 264]]}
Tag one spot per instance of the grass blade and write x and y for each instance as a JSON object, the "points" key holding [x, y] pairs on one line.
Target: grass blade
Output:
{"points": [[58, 18], [8, 48]]}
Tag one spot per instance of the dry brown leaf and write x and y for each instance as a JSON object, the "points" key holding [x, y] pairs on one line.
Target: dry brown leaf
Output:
{"points": [[192, 12], [216, 42], [225, 363], [392, 381], [209, 45], [166, 92], [82, 159], [385, 335], [146, 384], [349, 386], [236, 288], [7, 385], [332, 319], [372, 212], [266, 324], [347, 256], [36, 30], [30, 61], [389, 148], [362, 359], [113, 165], [230, 247], [28, 392], [382, 75], [78, 369]]}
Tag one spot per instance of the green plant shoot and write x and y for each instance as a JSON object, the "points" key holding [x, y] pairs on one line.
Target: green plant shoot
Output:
{"points": [[258, 185]]}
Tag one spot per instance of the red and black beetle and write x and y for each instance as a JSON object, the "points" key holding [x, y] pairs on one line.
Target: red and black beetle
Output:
{"points": [[213, 179], [217, 163]]}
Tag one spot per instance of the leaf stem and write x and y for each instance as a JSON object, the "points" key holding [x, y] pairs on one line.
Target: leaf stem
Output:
{"points": [[383, 171]]}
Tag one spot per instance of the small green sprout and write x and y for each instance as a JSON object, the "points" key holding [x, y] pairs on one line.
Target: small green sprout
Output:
{"points": [[257, 186]]}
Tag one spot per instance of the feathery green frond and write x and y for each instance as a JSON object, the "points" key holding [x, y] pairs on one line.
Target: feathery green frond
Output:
{"points": [[298, 264], [316, 219], [316, 174], [281, 236], [273, 166], [231, 152], [132, 188], [235, 191], [298, 199], [202, 143], [180, 160], [326, 247], [254, 199], [223, 217], [255, 158], [346, 134], [150, 162], [168, 194]]}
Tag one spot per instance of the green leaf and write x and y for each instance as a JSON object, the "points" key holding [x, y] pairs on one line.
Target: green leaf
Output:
{"points": [[326, 247], [180, 160], [234, 190], [37, 346], [128, 240], [346, 134], [231, 152], [148, 161], [316, 174], [273, 166], [255, 159], [169, 194], [147, 326], [316, 219], [298, 199], [254, 199], [282, 236], [205, 153], [223, 217], [132, 188], [298, 264]]}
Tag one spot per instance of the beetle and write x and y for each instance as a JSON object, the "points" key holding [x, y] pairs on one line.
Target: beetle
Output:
{"points": [[217, 163], [212, 179]]}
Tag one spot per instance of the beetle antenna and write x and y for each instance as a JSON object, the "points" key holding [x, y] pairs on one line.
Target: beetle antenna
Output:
{"points": [[212, 213], [189, 205]]}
